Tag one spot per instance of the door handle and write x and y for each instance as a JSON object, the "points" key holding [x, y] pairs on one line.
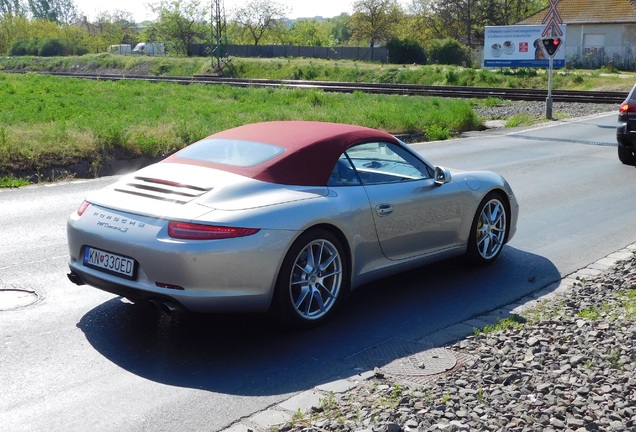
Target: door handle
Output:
{"points": [[384, 209]]}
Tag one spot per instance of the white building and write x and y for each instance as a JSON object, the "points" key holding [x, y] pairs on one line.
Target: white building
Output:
{"points": [[598, 31]]}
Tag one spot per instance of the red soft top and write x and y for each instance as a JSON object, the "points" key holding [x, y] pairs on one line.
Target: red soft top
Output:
{"points": [[311, 149]]}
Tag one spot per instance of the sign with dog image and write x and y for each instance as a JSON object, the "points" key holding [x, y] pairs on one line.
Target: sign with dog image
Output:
{"points": [[519, 46]]}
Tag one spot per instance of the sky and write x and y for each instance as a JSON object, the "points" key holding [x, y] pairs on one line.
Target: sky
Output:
{"points": [[141, 12]]}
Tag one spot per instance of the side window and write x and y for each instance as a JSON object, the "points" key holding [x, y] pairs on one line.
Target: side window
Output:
{"points": [[343, 173], [378, 163]]}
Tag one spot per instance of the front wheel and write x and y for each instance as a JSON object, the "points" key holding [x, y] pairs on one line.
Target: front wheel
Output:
{"points": [[489, 230], [313, 279]]}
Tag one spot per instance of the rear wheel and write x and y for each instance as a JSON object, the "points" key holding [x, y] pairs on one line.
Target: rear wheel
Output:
{"points": [[489, 229], [626, 156], [313, 279]]}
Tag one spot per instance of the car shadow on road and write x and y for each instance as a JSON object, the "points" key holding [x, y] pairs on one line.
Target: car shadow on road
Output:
{"points": [[252, 355]]}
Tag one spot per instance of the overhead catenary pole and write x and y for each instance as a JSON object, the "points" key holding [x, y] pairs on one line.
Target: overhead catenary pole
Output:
{"points": [[217, 33]]}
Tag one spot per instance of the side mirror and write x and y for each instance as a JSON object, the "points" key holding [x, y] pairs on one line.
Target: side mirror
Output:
{"points": [[442, 176]]}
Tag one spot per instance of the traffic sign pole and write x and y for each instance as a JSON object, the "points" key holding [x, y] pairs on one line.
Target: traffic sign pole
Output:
{"points": [[548, 101], [552, 20]]}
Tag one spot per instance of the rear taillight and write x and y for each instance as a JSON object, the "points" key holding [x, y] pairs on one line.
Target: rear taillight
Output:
{"points": [[627, 107], [82, 208], [193, 231]]}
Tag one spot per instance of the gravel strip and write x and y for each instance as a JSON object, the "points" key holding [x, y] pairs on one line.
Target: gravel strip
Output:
{"points": [[567, 364], [537, 110]]}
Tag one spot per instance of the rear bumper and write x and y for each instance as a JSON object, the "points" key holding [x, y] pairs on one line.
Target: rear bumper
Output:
{"points": [[211, 303], [626, 137], [229, 275]]}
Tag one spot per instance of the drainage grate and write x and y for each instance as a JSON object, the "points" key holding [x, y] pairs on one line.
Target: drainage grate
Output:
{"points": [[12, 298]]}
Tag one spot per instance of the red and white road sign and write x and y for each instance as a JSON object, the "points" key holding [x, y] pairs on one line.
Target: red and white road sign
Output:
{"points": [[552, 21]]}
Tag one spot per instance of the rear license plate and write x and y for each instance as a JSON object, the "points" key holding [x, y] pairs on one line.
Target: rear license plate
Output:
{"points": [[109, 262]]}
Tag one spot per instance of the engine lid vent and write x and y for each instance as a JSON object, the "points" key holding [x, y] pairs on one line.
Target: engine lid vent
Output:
{"points": [[160, 189]]}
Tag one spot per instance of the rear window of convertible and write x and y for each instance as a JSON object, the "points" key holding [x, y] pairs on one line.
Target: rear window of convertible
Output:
{"points": [[230, 152]]}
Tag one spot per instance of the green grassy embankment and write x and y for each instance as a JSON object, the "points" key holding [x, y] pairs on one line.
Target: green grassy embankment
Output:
{"points": [[48, 121]]}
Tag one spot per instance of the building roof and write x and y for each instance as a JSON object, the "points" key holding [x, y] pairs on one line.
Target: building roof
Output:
{"points": [[590, 12]]}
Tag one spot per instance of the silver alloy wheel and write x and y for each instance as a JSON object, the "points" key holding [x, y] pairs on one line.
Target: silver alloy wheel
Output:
{"points": [[491, 229], [316, 279]]}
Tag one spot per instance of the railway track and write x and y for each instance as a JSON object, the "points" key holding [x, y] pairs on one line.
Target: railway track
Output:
{"points": [[604, 97]]}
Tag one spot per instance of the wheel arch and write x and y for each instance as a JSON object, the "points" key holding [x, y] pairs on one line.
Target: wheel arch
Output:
{"points": [[277, 309], [473, 254], [340, 235]]}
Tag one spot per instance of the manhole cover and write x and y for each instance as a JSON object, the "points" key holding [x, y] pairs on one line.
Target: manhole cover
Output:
{"points": [[402, 357], [16, 298], [430, 362], [412, 361]]}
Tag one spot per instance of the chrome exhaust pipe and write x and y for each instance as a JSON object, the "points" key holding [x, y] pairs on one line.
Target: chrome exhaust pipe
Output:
{"points": [[170, 308], [74, 277]]}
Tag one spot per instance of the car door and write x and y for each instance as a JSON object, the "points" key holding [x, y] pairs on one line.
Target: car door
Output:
{"points": [[413, 215]]}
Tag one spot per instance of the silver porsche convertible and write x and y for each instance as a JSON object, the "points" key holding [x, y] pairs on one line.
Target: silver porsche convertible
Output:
{"points": [[286, 217]]}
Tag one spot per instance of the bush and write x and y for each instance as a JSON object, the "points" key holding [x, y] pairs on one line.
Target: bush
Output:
{"points": [[18, 48], [79, 50], [23, 47], [449, 52], [48, 47], [405, 51], [51, 47]]}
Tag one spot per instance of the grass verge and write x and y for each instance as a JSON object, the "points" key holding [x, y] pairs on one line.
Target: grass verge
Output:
{"points": [[48, 121]]}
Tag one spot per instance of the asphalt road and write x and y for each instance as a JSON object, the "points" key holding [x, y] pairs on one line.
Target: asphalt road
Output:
{"points": [[80, 359]]}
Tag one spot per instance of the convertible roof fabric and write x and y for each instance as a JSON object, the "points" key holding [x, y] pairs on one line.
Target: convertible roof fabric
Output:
{"points": [[311, 149]]}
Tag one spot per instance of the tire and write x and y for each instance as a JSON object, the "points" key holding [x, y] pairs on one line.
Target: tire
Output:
{"points": [[313, 280], [626, 156], [489, 230]]}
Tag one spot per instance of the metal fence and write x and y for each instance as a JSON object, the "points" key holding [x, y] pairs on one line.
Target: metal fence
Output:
{"points": [[380, 54]]}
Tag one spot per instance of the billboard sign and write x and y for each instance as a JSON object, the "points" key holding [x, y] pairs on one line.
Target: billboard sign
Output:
{"points": [[519, 46]]}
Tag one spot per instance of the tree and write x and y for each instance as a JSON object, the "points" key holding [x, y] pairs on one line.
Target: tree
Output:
{"points": [[59, 11], [112, 28], [309, 33], [454, 19], [513, 11], [464, 20], [259, 17], [339, 29], [180, 23], [12, 7], [14, 28], [501, 13], [373, 20]]}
